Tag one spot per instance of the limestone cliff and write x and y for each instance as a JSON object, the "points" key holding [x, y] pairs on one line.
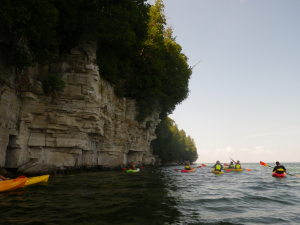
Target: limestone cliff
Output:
{"points": [[85, 125]]}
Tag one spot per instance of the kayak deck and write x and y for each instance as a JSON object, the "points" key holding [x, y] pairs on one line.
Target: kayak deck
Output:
{"points": [[133, 171], [35, 180], [216, 172], [7, 186], [188, 171], [234, 170], [10, 185]]}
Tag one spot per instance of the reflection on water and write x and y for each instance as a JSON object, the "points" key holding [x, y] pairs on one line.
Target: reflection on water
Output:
{"points": [[93, 198], [158, 196]]}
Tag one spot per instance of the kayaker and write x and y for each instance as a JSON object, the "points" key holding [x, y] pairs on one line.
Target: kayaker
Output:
{"points": [[231, 166], [131, 166], [279, 169], [3, 178], [238, 165], [218, 166], [187, 166]]}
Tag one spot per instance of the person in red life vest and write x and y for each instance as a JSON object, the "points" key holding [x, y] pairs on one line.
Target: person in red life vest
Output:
{"points": [[238, 165], [279, 169], [218, 166]]}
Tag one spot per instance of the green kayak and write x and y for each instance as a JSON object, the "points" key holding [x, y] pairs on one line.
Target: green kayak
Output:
{"points": [[133, 171]]}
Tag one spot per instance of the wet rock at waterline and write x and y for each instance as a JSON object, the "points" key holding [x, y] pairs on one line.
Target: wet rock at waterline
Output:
{"points": [[36, 169]]}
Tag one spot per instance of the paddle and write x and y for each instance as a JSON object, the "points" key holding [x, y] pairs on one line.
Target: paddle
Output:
{"points": [[265, 164], [198, 166], [204, 165]]}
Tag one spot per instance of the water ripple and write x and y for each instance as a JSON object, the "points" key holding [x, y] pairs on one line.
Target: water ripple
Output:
{"points": [[158, 196]]}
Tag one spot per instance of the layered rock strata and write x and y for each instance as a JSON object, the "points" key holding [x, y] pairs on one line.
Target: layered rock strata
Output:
{"points": [[85, 125]]}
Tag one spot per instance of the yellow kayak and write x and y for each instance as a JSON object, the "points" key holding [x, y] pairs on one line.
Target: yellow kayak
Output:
{"points": [[234, 170], [35, 180], [216, 172]]}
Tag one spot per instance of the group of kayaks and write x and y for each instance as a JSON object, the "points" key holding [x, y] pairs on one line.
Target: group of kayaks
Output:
{"points": [[233, 170], [9, 185], [274, 174]]}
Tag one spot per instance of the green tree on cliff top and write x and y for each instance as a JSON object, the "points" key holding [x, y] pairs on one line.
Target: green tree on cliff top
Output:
{"points": [[161, 72]]}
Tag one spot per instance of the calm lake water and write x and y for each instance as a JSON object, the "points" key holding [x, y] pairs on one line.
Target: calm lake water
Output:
{"points": [[158, 195]]}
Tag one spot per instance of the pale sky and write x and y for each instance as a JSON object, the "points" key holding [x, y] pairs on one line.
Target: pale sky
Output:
{"points": [[244, 100]]}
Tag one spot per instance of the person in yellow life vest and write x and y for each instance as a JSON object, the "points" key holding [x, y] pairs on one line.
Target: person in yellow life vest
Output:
{"points": [[231, 166], [238, 165], [187, 166], [279, 169], [218, 166]]}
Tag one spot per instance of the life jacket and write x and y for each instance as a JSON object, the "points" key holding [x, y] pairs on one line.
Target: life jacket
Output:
{"points": [[238, 166], [231, 166], [279, 170], [218, 167], [187, 168]]}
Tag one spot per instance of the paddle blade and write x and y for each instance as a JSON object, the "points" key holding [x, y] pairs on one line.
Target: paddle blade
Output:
{"points": [[199, 166], [262, 163], [124, 169], [226, 164], [142, 167], [227, 171], [248, 169], [204, 165], [176, 169]]}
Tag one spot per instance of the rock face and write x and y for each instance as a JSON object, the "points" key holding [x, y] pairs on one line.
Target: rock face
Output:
{"points": [[85, 125], [37, 169]]}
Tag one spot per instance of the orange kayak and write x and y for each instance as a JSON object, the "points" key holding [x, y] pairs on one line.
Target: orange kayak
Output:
{"points": [[21, 181], [7, 186]]}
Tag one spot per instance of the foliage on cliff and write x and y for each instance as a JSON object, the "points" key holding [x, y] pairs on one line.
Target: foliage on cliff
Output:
{"points": [[136, 52], [172, 144], [27, 30], [160, 71]]}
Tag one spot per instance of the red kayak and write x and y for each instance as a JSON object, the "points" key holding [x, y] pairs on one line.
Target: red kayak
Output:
{"points": [[188, 171], [278, 175]]}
